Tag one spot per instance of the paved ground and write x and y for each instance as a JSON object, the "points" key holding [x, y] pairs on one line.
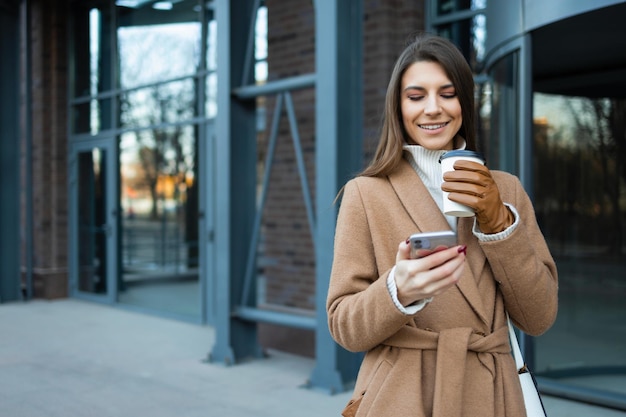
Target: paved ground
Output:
{"points": [[71, 358]]}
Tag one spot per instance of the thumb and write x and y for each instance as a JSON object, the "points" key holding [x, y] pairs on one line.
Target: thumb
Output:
{"points": [[404, 251]]}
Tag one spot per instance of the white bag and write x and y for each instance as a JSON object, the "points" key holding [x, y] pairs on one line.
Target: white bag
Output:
{"points": [[532, 400]]}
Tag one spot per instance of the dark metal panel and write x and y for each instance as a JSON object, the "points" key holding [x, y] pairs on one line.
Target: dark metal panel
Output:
{"points": [[338, 134], [582, 55], [9, 158], [505, 21], [9, 5], [540, 12]]}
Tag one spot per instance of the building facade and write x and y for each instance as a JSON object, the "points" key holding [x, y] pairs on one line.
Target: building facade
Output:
{"points": [[558, 96], [181, 158]]}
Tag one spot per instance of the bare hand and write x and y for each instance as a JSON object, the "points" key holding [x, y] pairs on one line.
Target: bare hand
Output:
{"points": [[418, 279]]}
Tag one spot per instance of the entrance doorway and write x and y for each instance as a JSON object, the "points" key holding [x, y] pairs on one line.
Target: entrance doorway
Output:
{"points": [[144, 79], [93, 232], [134, 231]]}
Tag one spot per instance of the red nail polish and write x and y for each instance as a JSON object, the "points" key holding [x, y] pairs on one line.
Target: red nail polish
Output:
{"points": [[408, 240], [463, 249]]}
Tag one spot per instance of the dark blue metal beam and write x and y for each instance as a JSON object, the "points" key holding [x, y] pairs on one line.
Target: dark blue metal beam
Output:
{"points": [[235, 186], [339, 92]]}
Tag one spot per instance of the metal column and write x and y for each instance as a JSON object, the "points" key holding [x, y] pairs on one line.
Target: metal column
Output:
{"points": [[235, 182], [339, 155]]}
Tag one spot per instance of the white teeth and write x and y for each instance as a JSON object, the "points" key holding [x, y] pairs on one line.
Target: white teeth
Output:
{"points": [[432, 127]]}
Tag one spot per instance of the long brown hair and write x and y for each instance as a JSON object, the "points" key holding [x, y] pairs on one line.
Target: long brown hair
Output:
{"points": [[393, 136]]}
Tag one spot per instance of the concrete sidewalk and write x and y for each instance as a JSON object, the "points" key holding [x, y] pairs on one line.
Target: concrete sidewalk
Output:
{"points": [[72, 358]]}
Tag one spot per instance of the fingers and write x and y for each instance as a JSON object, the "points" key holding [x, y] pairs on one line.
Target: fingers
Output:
{"points": [[468, 172], [464, 188], [438, 258], [465, 165], [444, 276], [469, 184], [426, 277], [473, 200], [404, 251]]}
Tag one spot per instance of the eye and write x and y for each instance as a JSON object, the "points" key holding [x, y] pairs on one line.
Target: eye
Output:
{"points": [[415, 97], [448, 94]]}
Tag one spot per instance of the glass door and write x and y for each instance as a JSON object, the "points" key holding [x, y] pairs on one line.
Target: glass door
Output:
{"points": [[93, 221], [159, 221]]}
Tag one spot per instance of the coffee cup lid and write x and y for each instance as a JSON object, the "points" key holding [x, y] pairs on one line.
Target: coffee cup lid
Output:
{"points": [[462, 153]]}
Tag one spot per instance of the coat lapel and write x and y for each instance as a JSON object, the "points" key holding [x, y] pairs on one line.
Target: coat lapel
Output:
{"points": [[416, 199], [475, 261], [427, 217]]}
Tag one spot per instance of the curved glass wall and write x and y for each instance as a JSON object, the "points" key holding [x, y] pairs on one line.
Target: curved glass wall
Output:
{"points": [[580, 200], [499, 114], [579, 193], [574, 166]]}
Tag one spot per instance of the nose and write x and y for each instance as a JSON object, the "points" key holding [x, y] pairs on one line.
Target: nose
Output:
{"points": [[432, 105]]}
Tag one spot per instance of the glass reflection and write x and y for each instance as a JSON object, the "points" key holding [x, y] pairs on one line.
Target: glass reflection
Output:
{"points": [[92, 226], [162, 103], [159, 200], [92, 26], [580, 199], [501, 126], [92, 75], [470, 36], [92, 116], [158, 45], [445, 7]]}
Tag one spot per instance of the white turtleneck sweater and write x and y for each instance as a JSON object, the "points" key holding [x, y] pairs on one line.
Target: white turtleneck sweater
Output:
{"points": [[426, 163]]}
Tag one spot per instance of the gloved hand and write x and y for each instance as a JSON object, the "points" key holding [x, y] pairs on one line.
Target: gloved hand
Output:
{"points": [[471, 184]]}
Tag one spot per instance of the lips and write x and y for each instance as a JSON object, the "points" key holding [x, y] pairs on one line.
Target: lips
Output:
{"points": [[433, 126]]}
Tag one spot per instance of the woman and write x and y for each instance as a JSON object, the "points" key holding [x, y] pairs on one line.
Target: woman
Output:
{"points": [[434, 329]]}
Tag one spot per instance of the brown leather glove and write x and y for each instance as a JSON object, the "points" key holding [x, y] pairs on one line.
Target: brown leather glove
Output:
{"points": [[471, 184]]}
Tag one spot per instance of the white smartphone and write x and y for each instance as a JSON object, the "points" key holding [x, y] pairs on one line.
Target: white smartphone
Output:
{"points": [[423, 244]]}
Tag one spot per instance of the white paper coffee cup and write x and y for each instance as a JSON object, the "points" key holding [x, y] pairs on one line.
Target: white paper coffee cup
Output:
{"points": [[447, 160]]}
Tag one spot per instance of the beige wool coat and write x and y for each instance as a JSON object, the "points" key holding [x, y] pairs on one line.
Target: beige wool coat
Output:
{"points": [[452, 358]]}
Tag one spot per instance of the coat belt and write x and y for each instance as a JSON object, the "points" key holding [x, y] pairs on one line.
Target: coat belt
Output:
{"points": [[452, 346]]}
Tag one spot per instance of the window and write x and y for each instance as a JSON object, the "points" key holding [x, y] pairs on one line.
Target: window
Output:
{"points": [[580, 201], [464, 23]]}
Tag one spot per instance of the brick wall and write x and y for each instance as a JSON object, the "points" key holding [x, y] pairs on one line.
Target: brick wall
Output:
{"points": [[288, 246], [49, 147], [290, 277], [386, 27]]}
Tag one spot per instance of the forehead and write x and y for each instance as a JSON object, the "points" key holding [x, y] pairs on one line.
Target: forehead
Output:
{"points": [[425, 74]]}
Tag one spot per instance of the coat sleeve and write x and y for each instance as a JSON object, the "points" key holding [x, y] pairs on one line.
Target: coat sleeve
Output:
{"points": [[361, 313], [523, 266]]}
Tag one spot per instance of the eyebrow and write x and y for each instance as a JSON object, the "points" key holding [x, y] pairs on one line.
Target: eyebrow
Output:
{"points": [[417, 87]]}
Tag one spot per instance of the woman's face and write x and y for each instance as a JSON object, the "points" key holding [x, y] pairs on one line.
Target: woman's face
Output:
{"points": [[431, 111]]}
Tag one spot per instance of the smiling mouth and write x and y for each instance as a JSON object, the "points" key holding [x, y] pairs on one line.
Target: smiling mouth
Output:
{"points": [[434, 127]]}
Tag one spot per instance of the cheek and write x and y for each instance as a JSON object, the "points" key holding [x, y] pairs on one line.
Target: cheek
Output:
{"points": [[408, 113], [407, 122], [457, 109]]}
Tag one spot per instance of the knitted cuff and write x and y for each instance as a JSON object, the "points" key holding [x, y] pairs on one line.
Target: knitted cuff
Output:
{"points": [[393, 292]]}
